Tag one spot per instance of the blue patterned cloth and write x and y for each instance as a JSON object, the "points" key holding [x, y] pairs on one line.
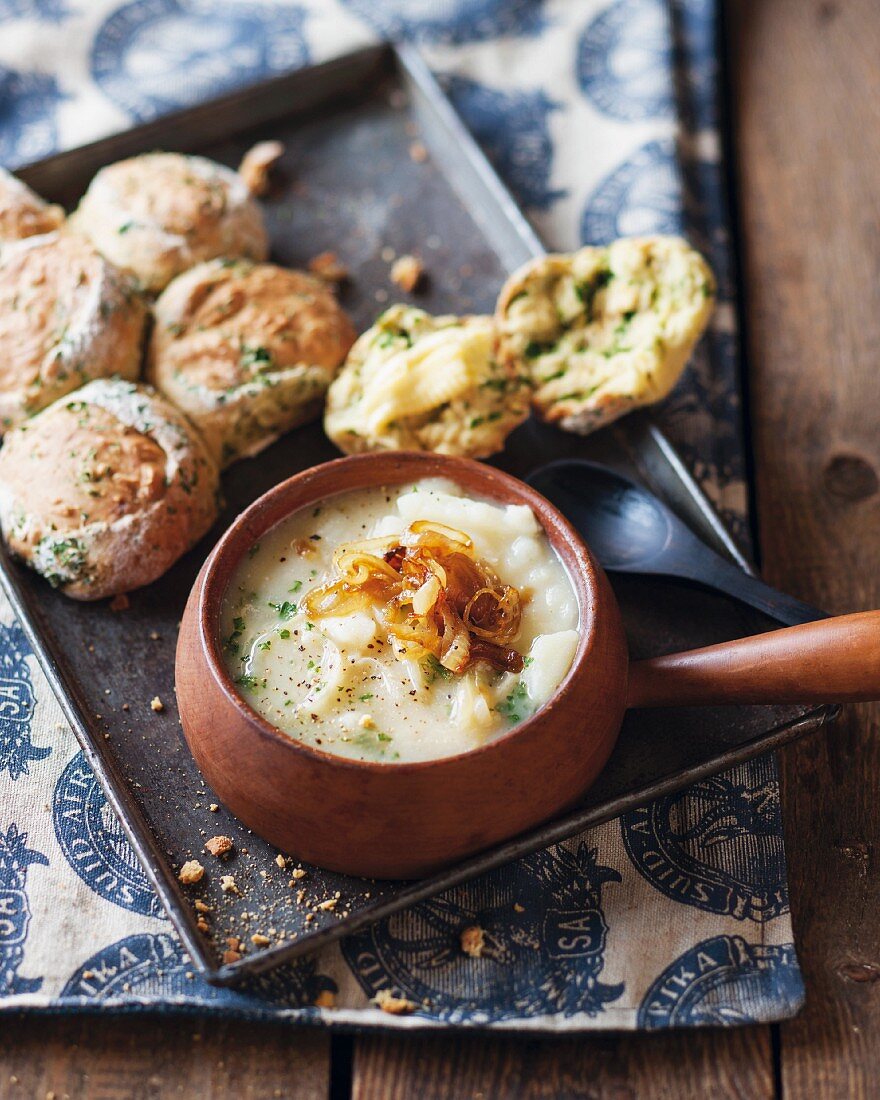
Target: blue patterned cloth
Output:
{"points": [[602, 118]]}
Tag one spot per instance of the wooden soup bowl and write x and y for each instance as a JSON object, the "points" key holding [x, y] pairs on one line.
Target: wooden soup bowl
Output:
{"points": [[399, 820], [406, 820]]}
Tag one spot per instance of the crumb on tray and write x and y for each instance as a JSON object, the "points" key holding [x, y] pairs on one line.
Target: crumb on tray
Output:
{"points": [[257, 163], [192, 871], [407, 273], [219, 846], [328, 266]]}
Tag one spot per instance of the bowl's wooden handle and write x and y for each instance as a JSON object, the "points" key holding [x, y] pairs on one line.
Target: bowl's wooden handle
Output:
{"points": [[831, 661]]}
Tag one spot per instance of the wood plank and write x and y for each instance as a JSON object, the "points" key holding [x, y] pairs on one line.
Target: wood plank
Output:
{"points": [[139, 1057], [808, 120], [686, 1066]]}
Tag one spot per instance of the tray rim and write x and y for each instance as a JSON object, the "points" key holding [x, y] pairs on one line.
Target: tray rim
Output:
{"points": [[373, 61]]}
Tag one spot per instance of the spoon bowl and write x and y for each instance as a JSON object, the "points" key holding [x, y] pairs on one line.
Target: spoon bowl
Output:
{"points": [[630, 530]]}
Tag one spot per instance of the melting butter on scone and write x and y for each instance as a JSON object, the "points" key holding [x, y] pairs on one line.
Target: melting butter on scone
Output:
{"points": [[105, 489], [418, 382], [602, 331], [22, 212], [67, 316], [158, 214], [247, 351]]}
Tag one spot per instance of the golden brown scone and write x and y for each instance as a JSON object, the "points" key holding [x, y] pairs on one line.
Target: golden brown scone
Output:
{"points": [[22, 212], [105, 489], [67, 316], [604, 330], [423, 383], [158, 214], [247, 351]]}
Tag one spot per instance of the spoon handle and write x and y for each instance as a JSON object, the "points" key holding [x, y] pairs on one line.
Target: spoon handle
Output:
{"points": [[835, 660], [729, 578]]}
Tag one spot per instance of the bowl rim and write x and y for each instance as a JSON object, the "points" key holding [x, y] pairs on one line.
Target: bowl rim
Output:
{"points": [[212, 587]]}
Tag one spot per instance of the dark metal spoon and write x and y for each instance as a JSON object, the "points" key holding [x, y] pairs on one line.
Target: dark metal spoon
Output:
{"points": [[631, 531]]}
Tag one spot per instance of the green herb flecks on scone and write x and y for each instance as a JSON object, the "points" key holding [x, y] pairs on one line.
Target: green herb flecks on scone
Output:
{"points": [[418, 382], [158, 214], [105, 489], [67, 316], [602, 331], [247, 351]]}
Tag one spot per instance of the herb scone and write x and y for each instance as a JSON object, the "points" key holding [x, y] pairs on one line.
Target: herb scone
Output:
{"points": [[418, 382], [67, 316], [105, 489], [22, 212], [247, 351], [160, 213], [604, 330]]}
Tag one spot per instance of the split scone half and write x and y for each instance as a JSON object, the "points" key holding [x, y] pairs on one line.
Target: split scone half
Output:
{"points": [[423, 383], [105, 489], [603, 330], [158, 214], [22, 212], [67, 316], [247, 351]]}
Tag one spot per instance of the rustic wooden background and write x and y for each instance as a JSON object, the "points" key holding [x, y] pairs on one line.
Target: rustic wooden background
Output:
{"points": [[805, 78]]}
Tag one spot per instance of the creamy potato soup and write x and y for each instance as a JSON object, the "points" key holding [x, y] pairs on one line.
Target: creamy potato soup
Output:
{"points": [[400, 624]]}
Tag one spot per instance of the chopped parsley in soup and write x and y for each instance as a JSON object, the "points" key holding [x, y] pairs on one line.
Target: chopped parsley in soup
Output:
{"points": [[400, 624]]}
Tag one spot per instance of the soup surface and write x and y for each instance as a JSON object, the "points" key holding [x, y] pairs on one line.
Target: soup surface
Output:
{"points": [[453, 623]]}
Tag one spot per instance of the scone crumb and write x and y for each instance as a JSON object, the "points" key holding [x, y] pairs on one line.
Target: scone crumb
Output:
{"points": [[280, 861], [201, 907], [473, 940], [156, 704], [227, 885], [328, 266], [328, 905], [120, 602], [517, 908], [192, 871], [259, 940], [296, 874], [407, 272], [203, 925], [219, 846], [326, 999], [230, 956], [418, 153], [257, 163], [395, 1006], [213, 807]]}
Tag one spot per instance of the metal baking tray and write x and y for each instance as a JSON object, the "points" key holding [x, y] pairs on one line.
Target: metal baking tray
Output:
{"points": [[352, 182]]}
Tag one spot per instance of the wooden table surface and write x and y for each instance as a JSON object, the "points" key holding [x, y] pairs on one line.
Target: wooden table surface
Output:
{"points": [[806, 114]]}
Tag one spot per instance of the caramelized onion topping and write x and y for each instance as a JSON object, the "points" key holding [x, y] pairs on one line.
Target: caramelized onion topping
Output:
{"points": [[432, 595]]}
